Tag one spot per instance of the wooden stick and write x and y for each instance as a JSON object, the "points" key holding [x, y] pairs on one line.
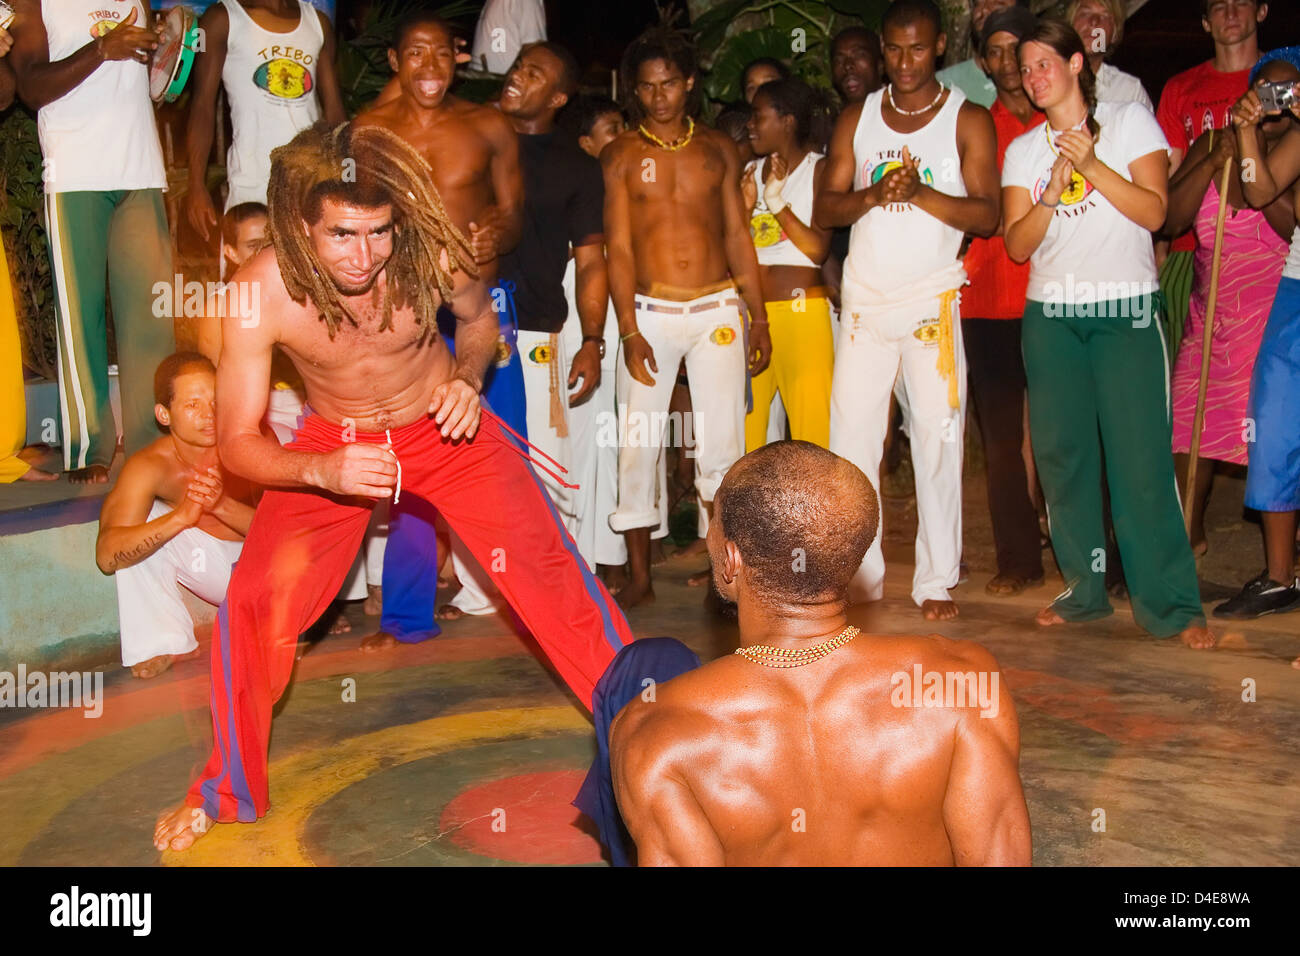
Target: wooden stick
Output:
{"points": [[1199, 419]]}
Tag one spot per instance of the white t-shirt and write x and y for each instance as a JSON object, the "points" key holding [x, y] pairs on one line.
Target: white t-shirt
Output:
{"points": [[1092, 252], [504, 27], [1116, 86]]}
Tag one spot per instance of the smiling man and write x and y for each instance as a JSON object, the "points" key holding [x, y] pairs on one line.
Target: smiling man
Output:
{"points": [[563, 209], [362, 257], [474, 157]]}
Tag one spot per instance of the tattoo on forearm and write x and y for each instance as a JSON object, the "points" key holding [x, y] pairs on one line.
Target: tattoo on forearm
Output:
{"points": [[123, 558]]}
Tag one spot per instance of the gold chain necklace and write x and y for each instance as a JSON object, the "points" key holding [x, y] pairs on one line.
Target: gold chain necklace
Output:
{"points": [[675, 145], [889, 95], [770, 656]]}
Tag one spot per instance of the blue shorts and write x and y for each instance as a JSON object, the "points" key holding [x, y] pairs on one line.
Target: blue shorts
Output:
{"points": [[1273, 478]]}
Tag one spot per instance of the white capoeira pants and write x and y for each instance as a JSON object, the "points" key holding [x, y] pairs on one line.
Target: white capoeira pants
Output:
{"points": [[284, 414], [150, 609], [593, 455], [542, 357], [707, 333], [871, 354]]}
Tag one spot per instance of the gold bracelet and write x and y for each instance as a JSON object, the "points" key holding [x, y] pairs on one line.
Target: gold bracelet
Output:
{"points": [[624, 338]]}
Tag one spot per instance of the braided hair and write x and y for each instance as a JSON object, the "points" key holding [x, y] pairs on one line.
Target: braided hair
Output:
{"points": [[368, 167]]}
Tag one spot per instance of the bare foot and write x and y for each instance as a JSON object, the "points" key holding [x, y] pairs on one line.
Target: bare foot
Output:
{"points": [[341, 625], [657, 553], [1198, 637], [374, 604], [178, 829], [378, 641], [1296, 663], [449, 612], [34, 455], [145, 670], [1200, 548], [1009, 585], [614, 575], [698, 546], [634, 593], [700, 579], [94, 475], [939, 610], [1047, 617]]}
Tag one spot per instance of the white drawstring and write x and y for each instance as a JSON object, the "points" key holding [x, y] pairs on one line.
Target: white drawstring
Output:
{"points": [[397, 493]]}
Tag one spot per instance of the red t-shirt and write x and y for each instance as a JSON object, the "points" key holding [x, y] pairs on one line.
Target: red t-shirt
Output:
{"points": [[997, 285], [1194, 102]]}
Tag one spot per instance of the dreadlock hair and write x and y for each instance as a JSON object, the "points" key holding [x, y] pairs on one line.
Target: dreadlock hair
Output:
{"points": [[814, 119], [367, 167], [657, 43], [1065, 42]]}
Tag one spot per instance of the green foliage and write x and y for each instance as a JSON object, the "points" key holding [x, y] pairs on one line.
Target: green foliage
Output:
{"points": [[22, 221], [797, 32], [363, 60]]}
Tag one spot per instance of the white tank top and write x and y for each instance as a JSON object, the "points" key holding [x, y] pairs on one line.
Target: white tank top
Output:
{"points": [[1291, 270], [100, 136], [773, 246], [270, 80], [898, 253]]}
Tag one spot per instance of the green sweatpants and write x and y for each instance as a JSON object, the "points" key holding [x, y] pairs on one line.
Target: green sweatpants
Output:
{"points": [[1098, 377], [101, 244]]}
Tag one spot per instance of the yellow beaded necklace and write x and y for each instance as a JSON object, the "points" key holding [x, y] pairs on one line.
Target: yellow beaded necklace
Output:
{"points": [[770, 656], [676, 144]]}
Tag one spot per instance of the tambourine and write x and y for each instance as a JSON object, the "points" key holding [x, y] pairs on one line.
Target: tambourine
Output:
{"points": [[172, 61]]}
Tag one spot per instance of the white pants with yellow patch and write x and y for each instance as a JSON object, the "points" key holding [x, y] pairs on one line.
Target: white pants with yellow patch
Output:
{"points": [[150, 609], [544, 359], [707, 333], [873, 351]]}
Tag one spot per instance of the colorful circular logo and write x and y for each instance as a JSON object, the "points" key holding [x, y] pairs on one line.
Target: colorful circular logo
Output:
{"points": [[1076, 192], [927, 332], [539, 354], [723, 335], [101, 28], [283, 79], [879, 172], [765, 230]]}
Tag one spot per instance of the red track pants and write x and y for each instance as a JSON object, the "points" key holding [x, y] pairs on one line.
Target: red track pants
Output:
{"points": [[302, 544]]}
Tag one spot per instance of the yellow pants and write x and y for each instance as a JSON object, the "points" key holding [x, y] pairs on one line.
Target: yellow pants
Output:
{"points": [[13, 401], [803, 355]]}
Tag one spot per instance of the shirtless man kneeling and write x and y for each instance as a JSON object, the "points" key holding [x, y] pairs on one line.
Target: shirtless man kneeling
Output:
{"points": [[806, 746], [169, 521], [362, 256]]}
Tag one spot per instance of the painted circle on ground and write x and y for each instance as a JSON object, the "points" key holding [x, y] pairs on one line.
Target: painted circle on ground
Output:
{"points": [[522, 819]]}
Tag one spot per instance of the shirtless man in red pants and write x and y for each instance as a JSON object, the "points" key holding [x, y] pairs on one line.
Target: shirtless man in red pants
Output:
{"points": [[362, 254]]}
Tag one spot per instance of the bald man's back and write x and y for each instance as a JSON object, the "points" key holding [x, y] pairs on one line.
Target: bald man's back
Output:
{"points": [[861, 758]]}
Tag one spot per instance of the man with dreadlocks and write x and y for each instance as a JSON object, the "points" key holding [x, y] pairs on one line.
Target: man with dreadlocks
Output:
{"points": [[362, 256]]}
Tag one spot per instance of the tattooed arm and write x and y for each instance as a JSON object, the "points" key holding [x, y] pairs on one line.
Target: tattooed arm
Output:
{"points": [[126, 536]]}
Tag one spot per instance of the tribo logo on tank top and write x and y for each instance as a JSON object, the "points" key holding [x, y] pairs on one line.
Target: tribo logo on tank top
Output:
{"points": [[101, 21], [875, 168], [284, 73]]}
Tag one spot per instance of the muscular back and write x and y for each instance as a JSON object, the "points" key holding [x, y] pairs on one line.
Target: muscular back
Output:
{"points": [[739, 764], [675, 206]]}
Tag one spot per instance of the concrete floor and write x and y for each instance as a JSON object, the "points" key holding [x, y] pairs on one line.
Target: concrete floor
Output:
{"points": [[466, 750]]}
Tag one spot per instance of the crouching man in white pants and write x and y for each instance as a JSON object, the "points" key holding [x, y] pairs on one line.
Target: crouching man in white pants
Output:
{"points": [[170, 521]]}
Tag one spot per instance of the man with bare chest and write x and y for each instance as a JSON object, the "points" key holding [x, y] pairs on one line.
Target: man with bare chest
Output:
{"points": [[813, 744], [473, 154], [362, 257], [680, 262], [171, 520]]}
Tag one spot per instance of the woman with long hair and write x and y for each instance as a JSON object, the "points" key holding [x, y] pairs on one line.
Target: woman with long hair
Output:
{"points": [[778, 188], [1081, 196]]}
